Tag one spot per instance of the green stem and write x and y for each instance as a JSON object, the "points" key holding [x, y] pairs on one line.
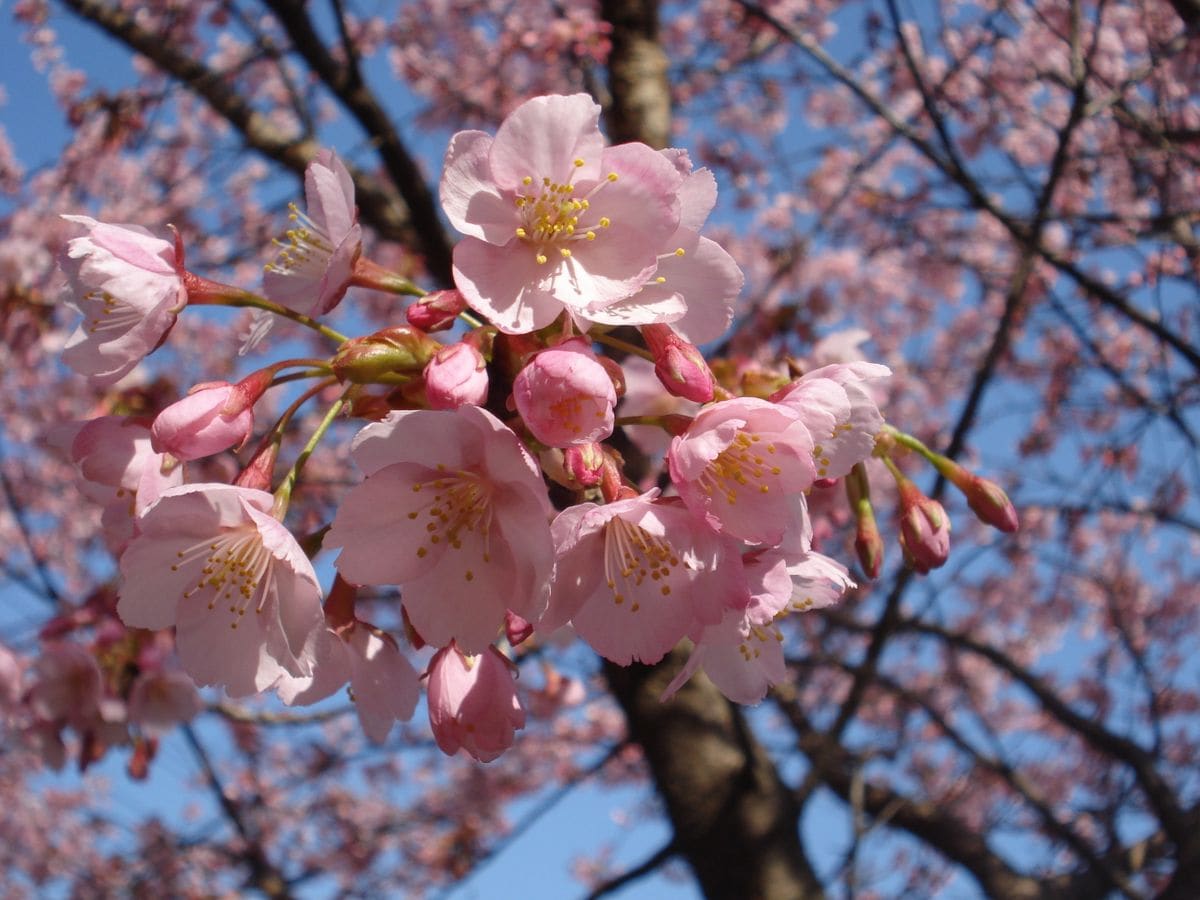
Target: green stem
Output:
{"points": [[283, 493], [618, 344], [253, 301]]}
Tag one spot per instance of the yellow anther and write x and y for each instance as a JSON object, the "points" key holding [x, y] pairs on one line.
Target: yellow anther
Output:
{"points": [[679, 251], [541, 259], [605, 221], [660, 280], [578, 163], [565, 253], [591, 235], [521, 232], [612, 176]]}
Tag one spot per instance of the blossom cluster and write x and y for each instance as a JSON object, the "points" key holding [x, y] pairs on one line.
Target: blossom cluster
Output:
{"points": [[494, 492]]}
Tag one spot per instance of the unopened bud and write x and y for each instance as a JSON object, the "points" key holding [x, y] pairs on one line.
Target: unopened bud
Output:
{"points": [[436, 311], [986, 498], [399, 350], [868, 542], [456, 376], [260, 471], [924, 529], [516, 629], [679, 364], [584, 464]]}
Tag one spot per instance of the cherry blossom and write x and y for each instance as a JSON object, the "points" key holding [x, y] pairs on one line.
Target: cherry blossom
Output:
{"points": [[129, 287], [211, 418], [473, 703], [314, 268], [839, 412], [552, 219], [383, 683], [211, 560], [741, 464], [635, 576], [453, 509]]}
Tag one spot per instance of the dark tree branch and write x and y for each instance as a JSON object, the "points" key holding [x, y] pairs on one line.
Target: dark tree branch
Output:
{"points": [[346, 83], [379, 207]]}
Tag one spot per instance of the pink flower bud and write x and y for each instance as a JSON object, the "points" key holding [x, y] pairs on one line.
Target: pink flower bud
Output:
{"points": [[924, 529], [473, 703], [989, 503], [679, 365], [565, 395], [868, 544], [456, 376], [584, 463], [436, 311], [212, 417], [516, 628]]}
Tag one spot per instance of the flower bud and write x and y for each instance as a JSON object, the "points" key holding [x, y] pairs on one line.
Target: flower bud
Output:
{"points": [[456, 376], [924, 529], [436, 311], [868, 542], [473, 703], [516, 628], [986, 498], [584, 464], [679, 365], [565, 396], [213, 417], [399, 350]]}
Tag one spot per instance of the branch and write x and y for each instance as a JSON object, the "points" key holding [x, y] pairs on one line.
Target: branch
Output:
{"points": [[344, 80], [1023, 233], [263, 874], [379, 208]]}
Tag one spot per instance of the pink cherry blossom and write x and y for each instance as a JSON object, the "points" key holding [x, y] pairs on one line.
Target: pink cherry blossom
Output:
{"points": [[473, 703], [120, 470], [555, 220], [212, 417], [696, 281], [129, 287], [840, 414], [635, 576], [454, 509], [740, 466], [924, 529], [383, 683], [743, 653], [211, 560], [160, 700], [456, 375], [565, 396], [314, 268], [67, 685]]}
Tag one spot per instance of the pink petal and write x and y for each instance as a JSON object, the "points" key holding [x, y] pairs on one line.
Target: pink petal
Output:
{"points": [[543, 137]]}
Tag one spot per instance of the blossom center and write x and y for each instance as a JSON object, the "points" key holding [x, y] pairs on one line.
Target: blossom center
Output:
{"points": [[745, 463], [460, 505], [235, 566], [633, 556], [308, 246], [553, 216], [111, 313]]}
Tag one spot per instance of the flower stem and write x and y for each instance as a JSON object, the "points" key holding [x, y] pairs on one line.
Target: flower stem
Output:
{"points": [[618, 344], [253, 301], [283, 493]]}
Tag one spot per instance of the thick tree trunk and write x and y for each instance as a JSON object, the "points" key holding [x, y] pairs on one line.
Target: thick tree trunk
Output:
{"points": [[736, 822]]}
